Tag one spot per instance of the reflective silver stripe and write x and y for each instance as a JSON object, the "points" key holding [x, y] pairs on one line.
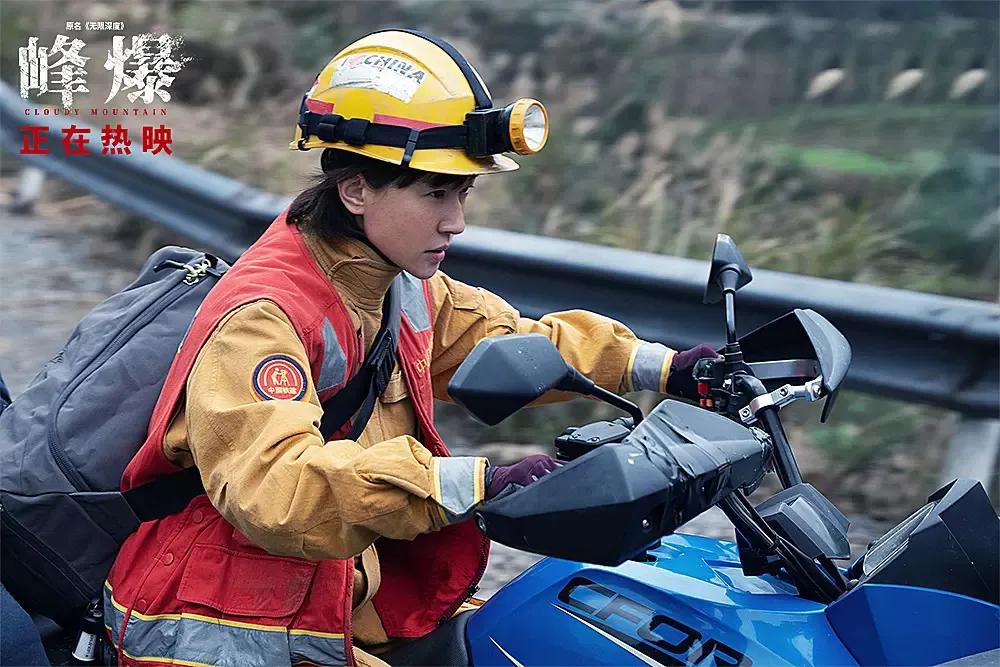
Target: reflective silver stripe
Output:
{"points": [[414, 303], [112, 617], [316, 649], [647, 369], [334, 370], [201, 640], [204, 641], [457, 480]]}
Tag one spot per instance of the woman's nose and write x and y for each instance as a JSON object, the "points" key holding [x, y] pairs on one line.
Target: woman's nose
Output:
{"points": [[454, 222]]}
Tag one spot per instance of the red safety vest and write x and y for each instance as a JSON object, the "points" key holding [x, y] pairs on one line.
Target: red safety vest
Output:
{"points": [[192, 589]]}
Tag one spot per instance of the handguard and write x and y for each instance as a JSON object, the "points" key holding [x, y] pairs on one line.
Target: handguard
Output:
{"points": [[612, 503]]}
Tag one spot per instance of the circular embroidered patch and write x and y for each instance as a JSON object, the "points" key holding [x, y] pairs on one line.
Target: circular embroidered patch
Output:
{"points": [[279, 377]]}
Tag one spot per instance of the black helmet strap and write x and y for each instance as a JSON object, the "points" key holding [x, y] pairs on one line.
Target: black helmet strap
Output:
{"points": [[333, 127]]}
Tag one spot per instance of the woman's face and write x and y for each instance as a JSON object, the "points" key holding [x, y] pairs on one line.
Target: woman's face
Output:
{"points": [[412, 226]]}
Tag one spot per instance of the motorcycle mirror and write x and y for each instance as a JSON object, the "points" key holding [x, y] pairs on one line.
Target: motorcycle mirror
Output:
{"points": [[729, 270], [503, 374]]}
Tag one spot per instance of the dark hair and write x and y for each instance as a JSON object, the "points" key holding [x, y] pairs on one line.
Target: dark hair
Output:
{"points": [[318, 210]]}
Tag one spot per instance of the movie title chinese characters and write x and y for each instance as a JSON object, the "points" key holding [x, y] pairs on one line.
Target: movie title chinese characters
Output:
{"points": [[142, 67]]}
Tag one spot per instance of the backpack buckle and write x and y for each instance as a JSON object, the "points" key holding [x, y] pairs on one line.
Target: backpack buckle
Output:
{"points": [[196, 272]]}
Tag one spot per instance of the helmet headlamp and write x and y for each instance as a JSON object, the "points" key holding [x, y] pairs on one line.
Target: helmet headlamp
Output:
{"points": [[522, 127]]}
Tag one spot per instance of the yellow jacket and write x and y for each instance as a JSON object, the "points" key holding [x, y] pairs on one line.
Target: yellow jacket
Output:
{"points": [[319, 505]]}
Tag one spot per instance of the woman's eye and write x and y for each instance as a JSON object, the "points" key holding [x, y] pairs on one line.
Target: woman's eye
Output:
{"points": [[437, 194]]}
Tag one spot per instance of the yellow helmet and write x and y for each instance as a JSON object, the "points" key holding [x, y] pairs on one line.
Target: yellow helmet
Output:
{"points": [[408, 98]]}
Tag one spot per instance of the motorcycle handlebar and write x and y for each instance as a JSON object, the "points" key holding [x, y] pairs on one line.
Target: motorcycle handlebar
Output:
{"points": [[784, 460]]}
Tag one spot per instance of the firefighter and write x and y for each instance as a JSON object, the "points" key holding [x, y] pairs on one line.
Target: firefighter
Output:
{"points": [[305, 550]]}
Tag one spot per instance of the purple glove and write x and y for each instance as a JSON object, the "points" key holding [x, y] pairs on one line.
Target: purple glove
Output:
{"points": [[680, 381], [521, 474]]}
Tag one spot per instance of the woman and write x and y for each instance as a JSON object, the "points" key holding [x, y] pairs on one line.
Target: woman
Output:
{"points": [[302, 551]]}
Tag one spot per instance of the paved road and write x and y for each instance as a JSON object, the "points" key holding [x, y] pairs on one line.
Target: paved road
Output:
{"points": [[60, 262], [53, 273]]}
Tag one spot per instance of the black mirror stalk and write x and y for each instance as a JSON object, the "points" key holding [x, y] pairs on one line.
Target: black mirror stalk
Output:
{"points": [[622, 403], [577, 382], [731, 336], [732, 353]]}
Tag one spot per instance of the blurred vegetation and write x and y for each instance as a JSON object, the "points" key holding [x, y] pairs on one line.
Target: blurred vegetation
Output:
{"points": [[671, 122]]}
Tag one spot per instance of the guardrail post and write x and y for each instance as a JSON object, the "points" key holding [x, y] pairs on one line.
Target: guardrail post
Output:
{"points": [[974, 452], [29, 190]]}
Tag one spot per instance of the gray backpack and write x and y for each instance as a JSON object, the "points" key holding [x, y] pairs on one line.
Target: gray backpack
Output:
{"points": [[66, 440]]}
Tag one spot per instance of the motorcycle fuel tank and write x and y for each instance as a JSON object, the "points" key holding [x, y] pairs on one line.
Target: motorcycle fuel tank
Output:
{"points": [[689, 604]]}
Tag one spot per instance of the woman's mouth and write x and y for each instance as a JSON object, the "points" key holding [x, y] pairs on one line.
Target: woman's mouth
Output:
{"points": [[437, 254]]}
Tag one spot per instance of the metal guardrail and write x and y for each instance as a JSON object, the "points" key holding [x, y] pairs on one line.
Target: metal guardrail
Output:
{"points": [[907, 345]]}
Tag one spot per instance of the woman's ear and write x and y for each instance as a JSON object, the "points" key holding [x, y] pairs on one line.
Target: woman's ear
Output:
{"points": [[352, 193]]}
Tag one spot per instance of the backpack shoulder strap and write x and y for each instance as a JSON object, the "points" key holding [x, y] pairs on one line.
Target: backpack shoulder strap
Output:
{"points": [[370, 381], [164, 495], [170, 494]]}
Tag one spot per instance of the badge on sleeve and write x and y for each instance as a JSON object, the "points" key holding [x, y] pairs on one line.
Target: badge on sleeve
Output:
{"points": [[279, 377]]}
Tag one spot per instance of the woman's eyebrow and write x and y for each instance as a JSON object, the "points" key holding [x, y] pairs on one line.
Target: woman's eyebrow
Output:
{"points": [[452, 185]]}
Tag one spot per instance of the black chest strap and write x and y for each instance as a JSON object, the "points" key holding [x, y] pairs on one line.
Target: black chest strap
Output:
{"points": [[170, 494], [357, 398]]}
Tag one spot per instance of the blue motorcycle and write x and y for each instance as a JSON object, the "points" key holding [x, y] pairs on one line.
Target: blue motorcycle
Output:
{"points": [[621, 588]]}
